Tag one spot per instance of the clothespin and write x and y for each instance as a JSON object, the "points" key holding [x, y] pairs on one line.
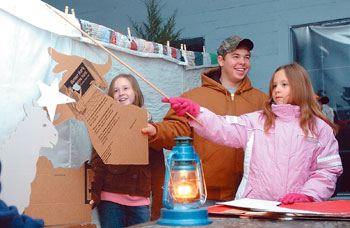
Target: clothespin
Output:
{"points": [[203, 49], [66, 10], [73, 12], [185, 50], [168, 43], [129, 34], [182, 47]]}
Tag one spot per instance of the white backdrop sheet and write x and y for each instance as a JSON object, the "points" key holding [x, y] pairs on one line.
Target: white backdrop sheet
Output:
{"points": [[26, 36]]}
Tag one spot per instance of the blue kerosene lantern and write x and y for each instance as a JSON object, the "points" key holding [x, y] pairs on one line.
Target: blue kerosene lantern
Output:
{"points": [[184, 187]]}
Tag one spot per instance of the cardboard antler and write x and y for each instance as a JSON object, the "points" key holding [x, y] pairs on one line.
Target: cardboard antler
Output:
{"points": [[68, 64]]}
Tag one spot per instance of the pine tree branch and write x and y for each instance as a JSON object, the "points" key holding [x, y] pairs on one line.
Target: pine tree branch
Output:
{"points": [[155, 29]]}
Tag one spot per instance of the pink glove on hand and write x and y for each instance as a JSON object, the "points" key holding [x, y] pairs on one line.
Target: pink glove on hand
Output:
{"points": [[295, 198], [182, 105]]}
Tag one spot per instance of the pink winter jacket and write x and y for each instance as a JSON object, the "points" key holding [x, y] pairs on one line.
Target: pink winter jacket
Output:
{"points": [[279, 163]]}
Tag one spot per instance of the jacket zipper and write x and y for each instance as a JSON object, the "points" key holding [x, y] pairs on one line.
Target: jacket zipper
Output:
{"points": [[232, 96]]}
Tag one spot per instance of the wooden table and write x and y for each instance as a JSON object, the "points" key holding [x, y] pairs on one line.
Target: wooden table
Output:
{"points": [[255, 223]]}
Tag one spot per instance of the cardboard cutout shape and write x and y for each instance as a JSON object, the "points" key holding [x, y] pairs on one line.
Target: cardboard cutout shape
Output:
{"points": [[20, 153], [51, 97], [58, 194], [115, 130]]}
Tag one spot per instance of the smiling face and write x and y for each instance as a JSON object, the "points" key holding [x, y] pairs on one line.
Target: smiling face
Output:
{"points": [[234, 66], [281, 90], [123, 91]]}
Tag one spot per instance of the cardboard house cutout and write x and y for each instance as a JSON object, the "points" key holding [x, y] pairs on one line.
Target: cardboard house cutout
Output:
{"points": [[59, 195]]}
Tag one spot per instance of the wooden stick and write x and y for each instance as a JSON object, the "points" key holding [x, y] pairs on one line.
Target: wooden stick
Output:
{"points": [[119, 60]]}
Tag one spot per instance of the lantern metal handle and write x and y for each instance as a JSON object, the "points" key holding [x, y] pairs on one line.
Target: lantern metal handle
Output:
{"points": [[167, 201]]}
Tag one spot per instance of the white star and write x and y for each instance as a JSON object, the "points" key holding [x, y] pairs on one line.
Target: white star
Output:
{"points": [[51, 97]]}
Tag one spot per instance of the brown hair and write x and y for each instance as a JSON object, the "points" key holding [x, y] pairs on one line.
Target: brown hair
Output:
{"points": [[302, 94], [139, 100]]}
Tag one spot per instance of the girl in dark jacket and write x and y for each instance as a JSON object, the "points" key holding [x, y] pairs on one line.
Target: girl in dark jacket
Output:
{"points": [[122, 192]]}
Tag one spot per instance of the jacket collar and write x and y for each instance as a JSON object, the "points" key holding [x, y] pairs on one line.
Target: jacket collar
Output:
{"points": [[286, 111], [210, 78]]}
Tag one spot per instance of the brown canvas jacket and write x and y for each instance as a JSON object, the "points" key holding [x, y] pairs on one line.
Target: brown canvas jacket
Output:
{"points": [[223, 166]]}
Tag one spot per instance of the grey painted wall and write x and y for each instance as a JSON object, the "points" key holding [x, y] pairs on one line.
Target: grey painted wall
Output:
{"points": [[266, 22]]}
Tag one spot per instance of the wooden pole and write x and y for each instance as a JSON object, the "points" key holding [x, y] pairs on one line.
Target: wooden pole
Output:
{"points": [[118, 59]]}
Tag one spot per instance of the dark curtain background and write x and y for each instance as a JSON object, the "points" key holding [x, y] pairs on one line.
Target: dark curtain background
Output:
{"points": [[324, 50]]}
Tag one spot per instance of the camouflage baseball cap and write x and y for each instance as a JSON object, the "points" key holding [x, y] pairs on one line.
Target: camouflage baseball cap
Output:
{"points": [[232, 42]]}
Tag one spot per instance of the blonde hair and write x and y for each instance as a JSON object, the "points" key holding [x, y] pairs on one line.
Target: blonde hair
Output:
{"points": [[302, 95], [139, 100]]}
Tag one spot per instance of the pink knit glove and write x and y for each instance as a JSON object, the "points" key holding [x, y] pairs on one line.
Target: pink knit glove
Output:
{"points": [[182, 105], [295, 198]]}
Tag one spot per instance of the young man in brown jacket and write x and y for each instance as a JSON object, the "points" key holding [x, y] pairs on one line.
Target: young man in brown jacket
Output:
{"points": [[225, 90]]}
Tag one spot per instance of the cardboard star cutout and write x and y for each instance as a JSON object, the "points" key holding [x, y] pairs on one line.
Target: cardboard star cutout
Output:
{"points": [[51, 97]]}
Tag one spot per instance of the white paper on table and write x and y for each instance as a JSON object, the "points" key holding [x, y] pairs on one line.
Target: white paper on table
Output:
{"points": [[263, 205]]}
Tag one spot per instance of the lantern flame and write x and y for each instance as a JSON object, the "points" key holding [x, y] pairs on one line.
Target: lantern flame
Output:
{"points": [[185, 186]]}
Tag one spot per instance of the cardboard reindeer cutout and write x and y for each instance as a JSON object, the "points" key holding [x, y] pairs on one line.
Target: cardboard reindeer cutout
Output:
{"points": [[115, 130]]}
